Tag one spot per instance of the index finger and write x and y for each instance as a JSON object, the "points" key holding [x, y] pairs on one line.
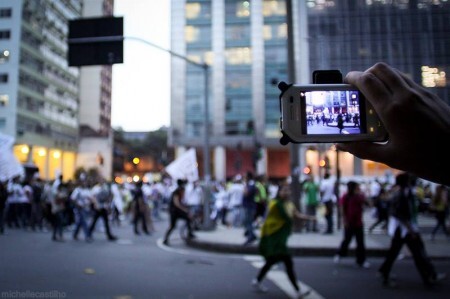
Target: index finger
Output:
{"points": [[372, 88]]}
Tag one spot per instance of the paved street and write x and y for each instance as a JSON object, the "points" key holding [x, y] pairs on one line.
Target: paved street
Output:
{"points": [[139, 267]]}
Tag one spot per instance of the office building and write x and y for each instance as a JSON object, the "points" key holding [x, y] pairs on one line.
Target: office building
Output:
{"points": [[244, 44], [60, 116], [38, 91]]}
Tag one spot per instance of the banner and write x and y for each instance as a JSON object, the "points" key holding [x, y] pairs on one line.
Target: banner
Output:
{"points": [[9, 166], [184, 167]]}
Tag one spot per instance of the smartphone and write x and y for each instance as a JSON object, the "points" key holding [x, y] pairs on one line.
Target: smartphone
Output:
{"points": [[328, 113]]}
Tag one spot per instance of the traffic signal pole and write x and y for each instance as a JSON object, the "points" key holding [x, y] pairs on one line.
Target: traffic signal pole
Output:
{"points": [[207, 223]]}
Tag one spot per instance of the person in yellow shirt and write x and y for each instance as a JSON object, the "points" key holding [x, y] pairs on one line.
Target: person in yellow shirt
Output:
{"points": [[275, 232]]}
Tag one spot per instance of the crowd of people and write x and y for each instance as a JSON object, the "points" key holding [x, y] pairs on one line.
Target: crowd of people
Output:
{"points": [[60, 205]]}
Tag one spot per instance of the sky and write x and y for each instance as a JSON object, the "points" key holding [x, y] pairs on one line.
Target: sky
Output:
{"points": [[141, 85]]}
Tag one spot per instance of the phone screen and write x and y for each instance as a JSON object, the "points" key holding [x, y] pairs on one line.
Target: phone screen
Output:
{"points": [[333, 112]]}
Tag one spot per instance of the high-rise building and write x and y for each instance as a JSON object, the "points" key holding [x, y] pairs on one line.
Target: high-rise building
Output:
{"points": [[245, 45], [96, 137], [38, 91]]}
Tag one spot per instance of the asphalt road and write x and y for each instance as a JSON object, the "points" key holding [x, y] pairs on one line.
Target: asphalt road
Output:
{"points": [[33, 266]]}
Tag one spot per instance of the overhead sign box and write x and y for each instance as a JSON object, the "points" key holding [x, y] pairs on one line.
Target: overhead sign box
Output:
{"points": [[95, 41]]}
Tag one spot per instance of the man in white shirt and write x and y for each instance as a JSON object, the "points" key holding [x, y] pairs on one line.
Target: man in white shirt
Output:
{"points": [[236, 193], [194, 199], [328, 198]]}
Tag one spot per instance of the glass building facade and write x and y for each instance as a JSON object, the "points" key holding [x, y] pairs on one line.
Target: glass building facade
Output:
{"points": [[245, 44]]}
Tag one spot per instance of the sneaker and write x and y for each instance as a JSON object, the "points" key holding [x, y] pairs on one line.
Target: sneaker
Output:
{"points": [[337, 259], [438, 277], [166, 242], [389, 283], [365, 265], [258, 286], [301, 295], [112, 238]]}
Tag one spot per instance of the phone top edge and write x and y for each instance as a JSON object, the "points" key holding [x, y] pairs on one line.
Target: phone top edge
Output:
{"points": [[324, 86]]}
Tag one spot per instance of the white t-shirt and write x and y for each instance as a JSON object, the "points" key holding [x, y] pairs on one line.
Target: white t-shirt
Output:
{"points": [[236, 191], [193, 195], [80, 195], [327, 190]]}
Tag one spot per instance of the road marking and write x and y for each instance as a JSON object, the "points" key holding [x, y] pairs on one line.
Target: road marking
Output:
{"points": [[89, 271], [124, 242], [280, 279]]}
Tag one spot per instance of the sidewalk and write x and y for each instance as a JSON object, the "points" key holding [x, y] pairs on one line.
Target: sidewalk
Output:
{"points": [[231, 240]]}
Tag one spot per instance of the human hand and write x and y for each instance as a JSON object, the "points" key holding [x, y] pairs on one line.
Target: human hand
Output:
{"points": [[417, 121]]}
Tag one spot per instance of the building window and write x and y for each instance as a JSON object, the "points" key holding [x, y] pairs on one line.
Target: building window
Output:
{"points": [[5, 12], [237, 9], [197, 34], [2, 123], [237, 32], [3, 78], [276, 31], [5, 34], [274, 8], [198, 10], [238, 56]]}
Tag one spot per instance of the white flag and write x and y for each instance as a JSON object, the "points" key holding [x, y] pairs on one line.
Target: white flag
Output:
{"points": [[184, 167], [9, 166]]}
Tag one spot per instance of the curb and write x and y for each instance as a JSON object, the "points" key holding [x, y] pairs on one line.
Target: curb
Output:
{"points": [[296, 251]]}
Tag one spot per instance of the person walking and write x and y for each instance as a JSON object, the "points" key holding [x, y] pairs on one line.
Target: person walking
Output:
{"points": [[236, 193], [139, 209], [275, 232], [16, 194], [440, 206], [352, 206], [327, 197], [82, 200], [102, 200], [58, 205], [3, 198], [178, 210], [260, 200], [37, 206], [381, 203], [249, 205], [404, 230], [311, 190]]}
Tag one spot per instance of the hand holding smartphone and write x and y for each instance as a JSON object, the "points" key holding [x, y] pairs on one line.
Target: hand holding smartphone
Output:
{"points": [[327, 113]]}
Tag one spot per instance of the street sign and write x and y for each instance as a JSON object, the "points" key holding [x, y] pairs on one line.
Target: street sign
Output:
{"points": [[95, 41]]}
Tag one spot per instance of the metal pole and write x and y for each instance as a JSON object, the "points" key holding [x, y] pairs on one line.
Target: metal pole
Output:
{"points": [[337, 193], [207, 223], [294, 148]]}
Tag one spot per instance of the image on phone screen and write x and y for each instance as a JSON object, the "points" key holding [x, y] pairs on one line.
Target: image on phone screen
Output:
{"points": [[333, 112]]}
